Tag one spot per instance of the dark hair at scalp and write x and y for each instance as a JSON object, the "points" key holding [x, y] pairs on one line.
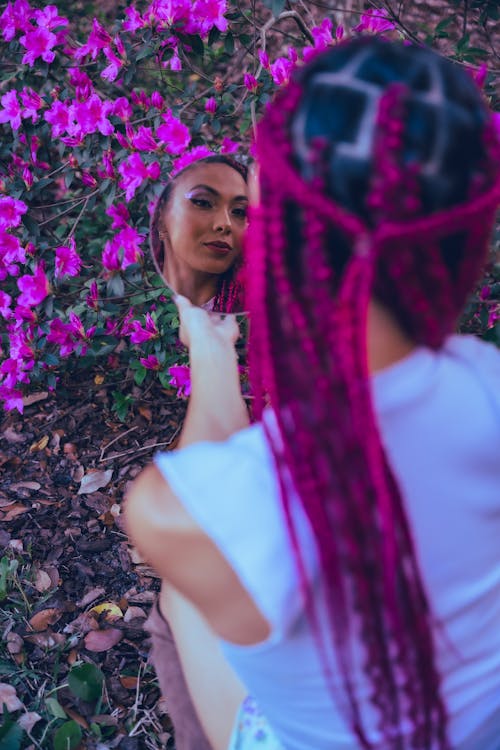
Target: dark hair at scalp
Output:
{"points": [[379, 175], [155, 242]]}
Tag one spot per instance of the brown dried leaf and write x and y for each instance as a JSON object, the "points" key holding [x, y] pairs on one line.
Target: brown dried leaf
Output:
{"points": [[95, 480], [14, 643], [76, 717], [12, 511], [28, 720], [134, 612], [34, 398], [12, 437], [41, 620], [128, 681], [8, 698], [82, 624], [43, 581], [47, 639], [102, 640], [40, 444], [91, 596], [25, 485]]}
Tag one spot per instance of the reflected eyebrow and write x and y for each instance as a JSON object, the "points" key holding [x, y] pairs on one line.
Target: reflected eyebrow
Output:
{"points": [[217, 194]]}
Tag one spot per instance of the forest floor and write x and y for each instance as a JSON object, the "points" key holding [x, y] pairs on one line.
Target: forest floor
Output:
{"points": [[64, 469]]}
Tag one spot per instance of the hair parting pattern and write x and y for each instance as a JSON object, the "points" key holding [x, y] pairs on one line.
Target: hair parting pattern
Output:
{"points": [[416, 240], [229, 295]]}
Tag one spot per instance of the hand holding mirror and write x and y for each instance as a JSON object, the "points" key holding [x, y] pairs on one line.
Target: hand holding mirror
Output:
{"points": [[197, 233]]}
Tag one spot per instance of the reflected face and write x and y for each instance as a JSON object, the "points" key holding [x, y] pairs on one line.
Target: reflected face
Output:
{"points": [[205, 218]]}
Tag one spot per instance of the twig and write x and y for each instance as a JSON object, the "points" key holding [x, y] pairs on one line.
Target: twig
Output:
{"points": [[118, 437], [145, 447]]}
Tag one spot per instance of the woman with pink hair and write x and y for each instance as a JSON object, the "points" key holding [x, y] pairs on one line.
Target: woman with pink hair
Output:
{"points": [[338, 559]]}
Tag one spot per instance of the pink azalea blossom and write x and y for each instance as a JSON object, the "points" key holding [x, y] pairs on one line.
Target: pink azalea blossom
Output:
{"points": [[339, 33], [108, 171], [49, 18], [110, 258], [32, 102], [211, 106], [89, 116], [12, 399], [181, 379], [174, 63], [120, 215], [139, 334], [196, 153], [11, 253], [82, 83], [60, 333], [5, 300], [39, 43], [169, 11], [134, 20], [11, 211], [122, 108], [251, 82], [78, 331], [58, 116], [88, 179], [375, 22], [281, 70], [92, 298], [68, 262], [98, 39], [126, 327], [16, 17], [28, 178], [14, 372], [157, 100], [134, 172], [264, 59], [110, 72], [129, 240], [480, 75], [174, 134], [34, 288], [206, 14], [322, 34], [11, 109], [143, 140], [141, 99], [228, 146], [150, 363]]}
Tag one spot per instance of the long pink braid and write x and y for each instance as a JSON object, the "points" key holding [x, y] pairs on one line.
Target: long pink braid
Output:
{"points": [[308, 357]]}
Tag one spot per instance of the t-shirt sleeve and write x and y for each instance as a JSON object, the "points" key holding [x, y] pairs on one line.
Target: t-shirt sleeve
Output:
{"points": [[231, 491]]}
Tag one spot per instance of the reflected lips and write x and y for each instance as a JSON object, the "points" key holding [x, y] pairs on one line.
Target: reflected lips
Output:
{"points": [[222, 248]]}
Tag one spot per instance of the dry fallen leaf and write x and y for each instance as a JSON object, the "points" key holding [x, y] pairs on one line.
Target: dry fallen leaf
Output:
{"points": [[91, 596], [128, 681], [25, 485], [8, 698], [39, 445], [11, 436], [14, 643], [112, 611], [95, 480], [47, 639], [43, 581], [28, 720], [10, 512], [41, 620], [102, 640], [134, 612], [33, 398]]}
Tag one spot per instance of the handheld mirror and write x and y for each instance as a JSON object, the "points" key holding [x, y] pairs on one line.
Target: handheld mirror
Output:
{"points": [[196, 233]]}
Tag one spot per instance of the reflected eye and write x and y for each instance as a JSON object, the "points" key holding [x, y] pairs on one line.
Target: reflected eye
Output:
{"points": [[201, 202], [240, 213]]}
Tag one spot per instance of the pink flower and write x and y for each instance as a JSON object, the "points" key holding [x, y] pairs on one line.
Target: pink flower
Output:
{"points": [[5, 300], [211, 105], [11, 211], [68, 262], [134, 20], [98, 39], [129, 239], [480, 75], [11, 253], [34, 288], [58, 117], [251, 82], [39, 43], [174, 63], [322, 34], [108, 171], [209, 13], [264, 59], [12, 399], [110, 73], [143, 140], [89, 116], [150, 363], [81, 82], [60, 333], [339, 33], [198, 152], [50, 18], [174, 134], [11, 109], [281, 70], [375, 22], [122, 108], [181, 379], [92, 298], [228, 146], [14, 372], [120, 215], [157, 100], [16, 17], [139, 334], [110, 257], [134, 172], [31, 103]]}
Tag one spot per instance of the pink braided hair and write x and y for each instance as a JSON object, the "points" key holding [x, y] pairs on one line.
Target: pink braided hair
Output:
{"points": [[309, 326]]}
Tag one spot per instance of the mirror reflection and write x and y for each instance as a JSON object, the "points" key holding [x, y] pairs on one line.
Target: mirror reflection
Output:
{"points": [[197, 233]]}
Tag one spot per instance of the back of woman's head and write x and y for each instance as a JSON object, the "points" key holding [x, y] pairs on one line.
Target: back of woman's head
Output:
{"points": [[379, 178]]}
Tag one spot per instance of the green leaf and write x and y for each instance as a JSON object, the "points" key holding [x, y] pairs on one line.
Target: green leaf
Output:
{"points": [[55, 708], [68, 736], [11, 735], [86, 681], [229, 43], [140, 375]]}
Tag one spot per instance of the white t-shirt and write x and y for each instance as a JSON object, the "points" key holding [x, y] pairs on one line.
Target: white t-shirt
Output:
{"points": [[439, 416]]}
